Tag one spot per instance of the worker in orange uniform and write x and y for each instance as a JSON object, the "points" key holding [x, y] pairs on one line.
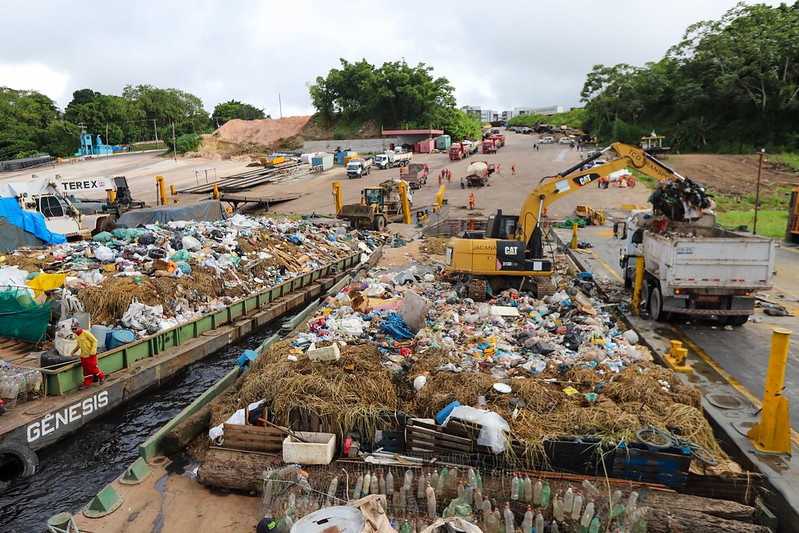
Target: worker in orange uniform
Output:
{"points": [[513, 170], [499, 168], [471, 201], [440, 177], [87, 344], [449, 176]]}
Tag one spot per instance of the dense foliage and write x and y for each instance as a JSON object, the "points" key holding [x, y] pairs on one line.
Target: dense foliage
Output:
{"points": [[730, 85], [234, 109], [394, 95], [572, 118]]}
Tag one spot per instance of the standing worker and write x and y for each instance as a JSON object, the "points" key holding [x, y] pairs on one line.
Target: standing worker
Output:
{"points": [[440, 177], [449, 176], [499, 168], [471, 201], [463, 185], [87, 344], [513, 170]]}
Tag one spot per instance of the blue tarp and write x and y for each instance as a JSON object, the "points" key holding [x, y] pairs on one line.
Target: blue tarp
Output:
{"points": [[396, 327], [28, 221]]}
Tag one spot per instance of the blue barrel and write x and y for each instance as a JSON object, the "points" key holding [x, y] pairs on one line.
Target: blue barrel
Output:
{"points": [[120, 337]]}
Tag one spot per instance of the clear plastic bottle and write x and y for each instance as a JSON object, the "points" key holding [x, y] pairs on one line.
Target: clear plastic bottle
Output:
{"points": [[382, 484], [331, 491], [430, 493], [527, 521], [528, 489], [367, 484], [486, 510], [408, 480], [471, 477], [546, 494], [537, 492], [539, 522], [389, 483], [469, 494], [595, 526], [289, 523], [637, 515], [434, 479], [452, 478], [461, 493], [442, 481], [632, 503], [591, 489], [558, 509], [507, 514], [421, 484], [477, 498], [375, 488], [493, 522], [568, 501], [514, 488], [553, 527], [588, 514], [358, 487], [578, 506]]}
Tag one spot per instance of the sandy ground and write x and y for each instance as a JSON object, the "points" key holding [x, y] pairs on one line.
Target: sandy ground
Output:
{"points": [[732, 174]]}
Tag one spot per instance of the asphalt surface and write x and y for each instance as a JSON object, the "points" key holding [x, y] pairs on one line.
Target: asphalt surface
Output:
{"points": [[743, 353]]}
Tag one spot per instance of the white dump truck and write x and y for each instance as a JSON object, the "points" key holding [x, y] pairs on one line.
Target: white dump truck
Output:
{"points": [[391, 159], [694, 268], [358, 168]]}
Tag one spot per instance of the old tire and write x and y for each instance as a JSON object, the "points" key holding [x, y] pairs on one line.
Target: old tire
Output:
{"points": [[23, 458], [736, 320], [656, 305], [104, 224], [380, 223]]}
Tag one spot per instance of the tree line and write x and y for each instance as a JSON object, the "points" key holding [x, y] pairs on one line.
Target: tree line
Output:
{"points": [[31, 123], [730, 86]]}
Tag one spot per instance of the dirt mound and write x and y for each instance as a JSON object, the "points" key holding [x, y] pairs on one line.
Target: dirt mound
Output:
{"points": [[732, 174], [238, 138]]}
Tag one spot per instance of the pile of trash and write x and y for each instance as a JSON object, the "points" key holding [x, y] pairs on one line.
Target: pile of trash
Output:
{"points": [[554, 367], [681, 200], [155, 277]]}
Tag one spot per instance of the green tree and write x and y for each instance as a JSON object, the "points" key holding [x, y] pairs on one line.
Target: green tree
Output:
{"points": [[236, 110]]}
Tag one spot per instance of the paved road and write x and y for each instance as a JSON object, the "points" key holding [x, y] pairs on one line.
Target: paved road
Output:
{"points": [[743, 352]]}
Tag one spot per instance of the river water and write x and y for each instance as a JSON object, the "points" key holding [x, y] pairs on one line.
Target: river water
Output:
{"points": [[72, 471]]}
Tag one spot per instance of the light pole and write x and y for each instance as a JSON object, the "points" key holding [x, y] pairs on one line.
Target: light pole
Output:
{"points": [[757, 188]]}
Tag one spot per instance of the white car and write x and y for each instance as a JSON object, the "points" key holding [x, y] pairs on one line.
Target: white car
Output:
{"points": [[547, 140], [565, 140]]}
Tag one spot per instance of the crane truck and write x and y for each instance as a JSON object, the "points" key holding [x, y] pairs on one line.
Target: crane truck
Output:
{"points": [[510, 252]]}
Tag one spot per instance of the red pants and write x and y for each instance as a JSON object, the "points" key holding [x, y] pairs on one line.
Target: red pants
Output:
{"points": [[90, 370]]}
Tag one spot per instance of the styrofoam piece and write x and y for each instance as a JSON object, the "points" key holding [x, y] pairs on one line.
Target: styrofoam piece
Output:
{"points": [[504, 310], [325, 354], [318, 450]]}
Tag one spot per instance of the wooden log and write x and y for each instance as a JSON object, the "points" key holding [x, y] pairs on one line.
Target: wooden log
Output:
{"points": [[187, 431], [677, 520], [724, 509], [234, 469]]}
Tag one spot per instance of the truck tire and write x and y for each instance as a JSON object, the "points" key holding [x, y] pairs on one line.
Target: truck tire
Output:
{"points": [[380, 223], [628, 281], [25, 458], [656, 305], [736, 320]]}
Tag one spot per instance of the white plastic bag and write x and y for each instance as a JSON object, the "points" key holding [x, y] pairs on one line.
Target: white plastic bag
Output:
{"points": [[191, 244], [104, 253], [493, 426], [216, 434]]}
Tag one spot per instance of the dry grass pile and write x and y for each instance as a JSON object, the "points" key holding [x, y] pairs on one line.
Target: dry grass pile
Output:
{"points": [[109, 300], [350, 393], [28, 262], [434, 246]]}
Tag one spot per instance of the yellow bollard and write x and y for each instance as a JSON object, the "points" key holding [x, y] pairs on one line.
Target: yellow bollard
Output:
{"points": [[216, 192], [574, 236], [639, 283], [675, 345], [773, 433], [677, 356]]}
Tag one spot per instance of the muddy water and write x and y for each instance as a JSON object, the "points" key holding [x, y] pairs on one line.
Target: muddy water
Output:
{"points": [[74, 470]]}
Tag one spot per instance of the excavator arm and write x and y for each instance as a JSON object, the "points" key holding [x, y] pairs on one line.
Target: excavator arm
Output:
{"points": [[554, 188]]}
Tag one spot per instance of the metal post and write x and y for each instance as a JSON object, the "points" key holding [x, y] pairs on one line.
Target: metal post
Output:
{"points": [[159, 180], [639, 283], [757, 188], [574, 236], [155, 129], [773, 433], [174, 145]]}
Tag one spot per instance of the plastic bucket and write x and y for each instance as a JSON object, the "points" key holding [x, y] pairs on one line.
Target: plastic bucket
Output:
{"points": [[101, 332], [442, 415], [120, 337]]}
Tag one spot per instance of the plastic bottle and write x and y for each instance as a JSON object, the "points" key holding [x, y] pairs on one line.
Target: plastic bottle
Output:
{"points": [[434, 479], [382, 484], [546, 494], [477, 498], [431, 501], [493, 522], [568, 501], [331, 490], [358, 488], [291, 503], [514, 488], [638, 514], [375, 488], [367, 484], [389, 483], [553, 527], [539, 521], [578, 506], [508, 516], [442, 481], [595, 526], [408, 480], [527, 521], [469, 494], [537, 491], [486, 506], [461, 493], [406, 527], [289, 523], [558, 509], [479, 477], [471, 477], [588, 514], [632, 503], [452, 478], [521, 489], [589, 488], [421, 484]]}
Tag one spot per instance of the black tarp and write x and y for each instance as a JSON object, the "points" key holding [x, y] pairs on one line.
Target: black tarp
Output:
{"points": [[209, 211]]}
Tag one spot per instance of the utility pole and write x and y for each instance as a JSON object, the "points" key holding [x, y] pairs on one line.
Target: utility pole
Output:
{"points": [[155, 129], [280, 104], [174, 146], [106, 134], [757, 188]]}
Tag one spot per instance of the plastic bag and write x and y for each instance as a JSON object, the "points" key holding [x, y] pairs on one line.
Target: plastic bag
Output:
{"points": [[104, 253], [216, 434], [103, 236], [191, 244], [492, 426]]}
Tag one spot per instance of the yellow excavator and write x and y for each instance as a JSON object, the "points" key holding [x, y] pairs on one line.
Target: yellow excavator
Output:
{"points": [[510, 252]]}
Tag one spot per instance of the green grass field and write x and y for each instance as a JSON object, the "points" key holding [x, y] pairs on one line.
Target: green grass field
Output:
{"points": [[770, 222]]}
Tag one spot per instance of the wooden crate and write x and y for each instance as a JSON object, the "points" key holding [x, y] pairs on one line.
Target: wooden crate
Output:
{"points": [[425, 437], [666, 467], [253, 438]]}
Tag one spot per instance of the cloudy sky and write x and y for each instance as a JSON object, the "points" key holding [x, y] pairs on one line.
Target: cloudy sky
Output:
{"points": [[497, 54]]}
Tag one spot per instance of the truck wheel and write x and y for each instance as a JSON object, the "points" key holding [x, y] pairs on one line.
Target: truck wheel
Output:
{"points": [[656, 306], [380, 223], [736, 320], [628, 281]]}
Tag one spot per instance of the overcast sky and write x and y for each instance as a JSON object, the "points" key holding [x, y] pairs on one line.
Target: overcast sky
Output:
{"points": [[497, 54]]}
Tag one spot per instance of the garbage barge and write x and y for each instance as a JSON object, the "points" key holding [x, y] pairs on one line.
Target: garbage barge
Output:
{"points": [[52, 404], [442, 407]]}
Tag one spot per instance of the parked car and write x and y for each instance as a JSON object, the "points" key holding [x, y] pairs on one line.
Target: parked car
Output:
{"points": [[547, 140], [565, 140]]}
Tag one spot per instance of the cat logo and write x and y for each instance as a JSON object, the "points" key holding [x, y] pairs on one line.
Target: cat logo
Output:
{"points": [[511, 250]]}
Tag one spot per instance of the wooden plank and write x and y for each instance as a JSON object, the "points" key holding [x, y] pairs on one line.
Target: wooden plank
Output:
{"points": [[441, 436], [255, 438]]}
